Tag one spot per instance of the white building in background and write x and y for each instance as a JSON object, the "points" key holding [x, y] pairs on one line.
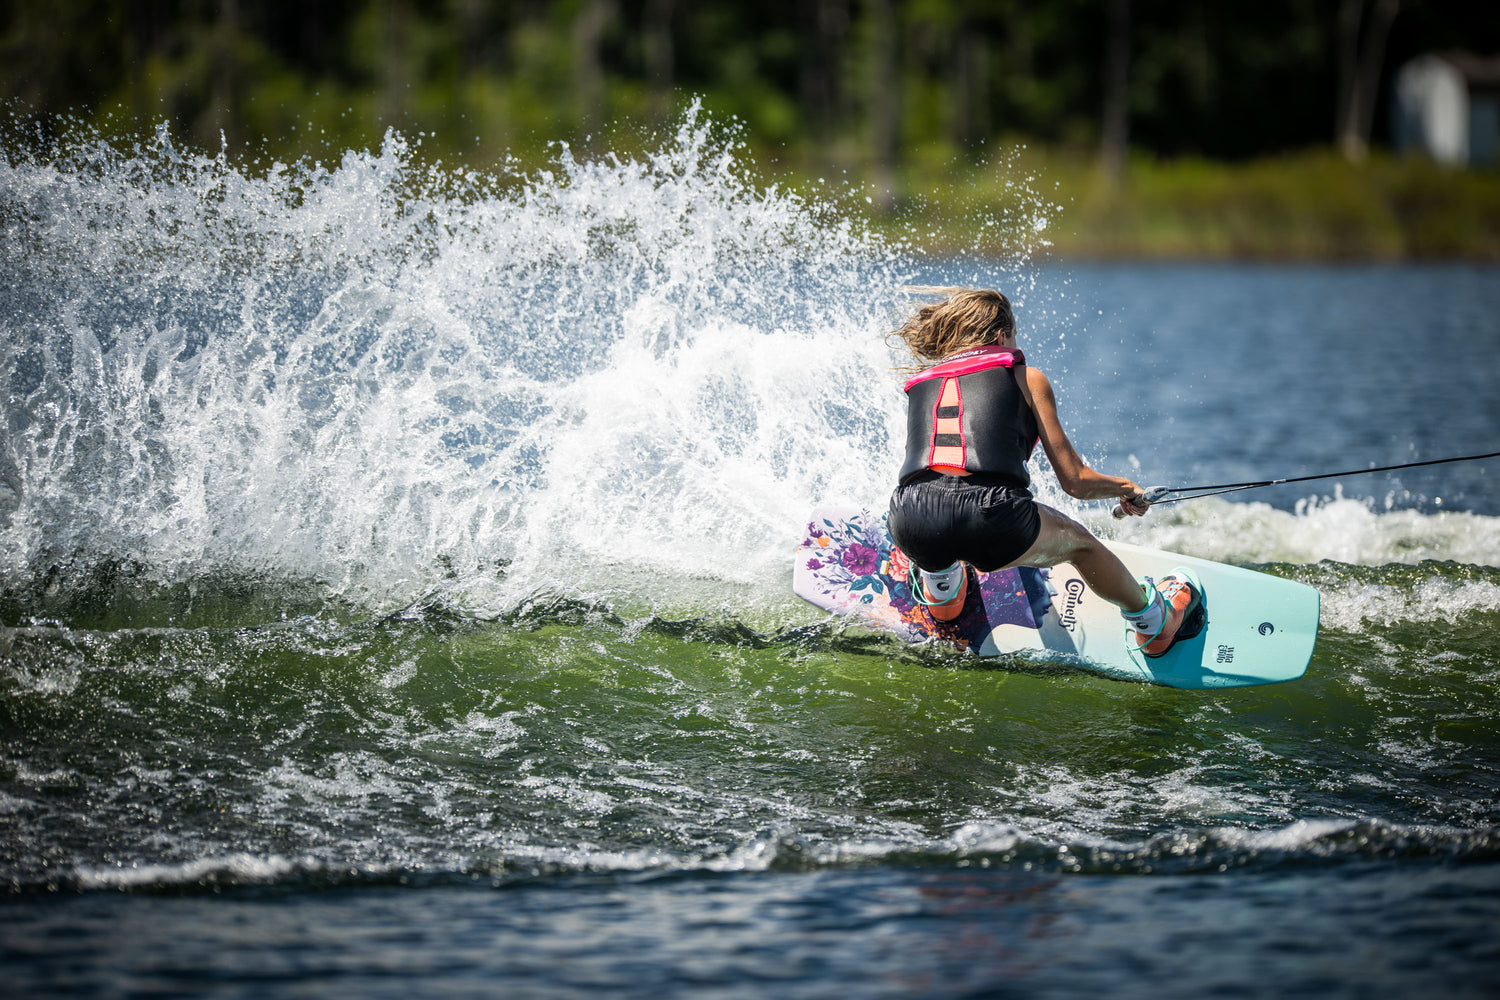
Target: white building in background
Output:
{"points": [[1448, 106]]}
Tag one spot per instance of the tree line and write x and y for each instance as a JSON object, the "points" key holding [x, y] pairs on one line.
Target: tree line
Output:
{"points": [[862, 84]]}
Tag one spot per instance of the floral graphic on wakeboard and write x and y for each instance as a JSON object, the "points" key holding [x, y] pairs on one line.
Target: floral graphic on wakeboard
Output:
{"points": [[855, 562]]}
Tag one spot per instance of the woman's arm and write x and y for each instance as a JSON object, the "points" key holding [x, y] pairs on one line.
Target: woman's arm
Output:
{"points": [[1073, 474]]}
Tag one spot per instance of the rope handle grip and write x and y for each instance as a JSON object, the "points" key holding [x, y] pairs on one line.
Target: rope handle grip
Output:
{"points": [[1149, 497]]}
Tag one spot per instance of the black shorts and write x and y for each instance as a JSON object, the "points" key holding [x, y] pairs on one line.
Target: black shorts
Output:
{"points": [[938, 520]]}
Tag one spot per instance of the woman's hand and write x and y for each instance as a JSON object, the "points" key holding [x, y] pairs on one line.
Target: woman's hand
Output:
{"points": [[1133, 503]]}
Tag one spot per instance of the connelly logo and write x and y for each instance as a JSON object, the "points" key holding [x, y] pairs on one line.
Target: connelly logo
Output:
{"points": [[1074, 591], [1226, 654]]}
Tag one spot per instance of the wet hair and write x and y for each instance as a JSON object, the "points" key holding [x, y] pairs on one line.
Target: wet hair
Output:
{"points": [[970, 317]]}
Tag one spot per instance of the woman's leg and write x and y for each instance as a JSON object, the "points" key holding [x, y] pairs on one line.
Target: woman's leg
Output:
{"points": [[1063, 539]]}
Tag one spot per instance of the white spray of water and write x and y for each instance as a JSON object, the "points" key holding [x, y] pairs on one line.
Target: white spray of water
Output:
{"points": [[401, 383]]}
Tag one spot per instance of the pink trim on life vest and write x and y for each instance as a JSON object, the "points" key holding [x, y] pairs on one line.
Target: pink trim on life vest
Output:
{"points": [[967, 362], [948, 455]]}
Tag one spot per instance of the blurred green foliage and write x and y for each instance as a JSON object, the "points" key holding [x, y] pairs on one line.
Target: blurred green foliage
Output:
{"points": [[1230, 105]]}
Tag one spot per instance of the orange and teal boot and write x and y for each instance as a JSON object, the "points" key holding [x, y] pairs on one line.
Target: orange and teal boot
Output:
{"points": [[1179, 595], [944, 593]]}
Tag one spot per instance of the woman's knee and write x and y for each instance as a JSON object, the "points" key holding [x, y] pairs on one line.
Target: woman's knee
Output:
{"points": [[1080, 543]]}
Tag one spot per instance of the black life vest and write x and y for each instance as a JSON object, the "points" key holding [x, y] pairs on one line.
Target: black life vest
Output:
{"points": [[967, 415]]}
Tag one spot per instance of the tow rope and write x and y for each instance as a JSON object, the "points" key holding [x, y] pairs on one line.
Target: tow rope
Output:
{"points": [[1172, 494]]}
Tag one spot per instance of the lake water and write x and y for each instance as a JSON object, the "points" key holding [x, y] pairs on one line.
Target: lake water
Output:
{"points": [[394, 600]]}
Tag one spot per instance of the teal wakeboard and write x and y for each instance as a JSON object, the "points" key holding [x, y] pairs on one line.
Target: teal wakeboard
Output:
{"points": [[1255, 628]]}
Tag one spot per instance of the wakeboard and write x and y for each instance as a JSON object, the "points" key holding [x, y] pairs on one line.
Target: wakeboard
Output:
{"points": [[1255, 628]]}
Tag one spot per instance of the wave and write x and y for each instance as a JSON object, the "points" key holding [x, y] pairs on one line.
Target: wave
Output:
{"points": [[1356, 598], [1336, 528], [565, 737], [1301, 844]]}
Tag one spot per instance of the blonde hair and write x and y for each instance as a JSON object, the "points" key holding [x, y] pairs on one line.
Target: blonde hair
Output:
{"points": [[966, 318]]}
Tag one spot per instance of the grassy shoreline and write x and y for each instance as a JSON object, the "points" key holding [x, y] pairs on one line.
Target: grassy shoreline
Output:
{"points": [[1312, 205]]}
